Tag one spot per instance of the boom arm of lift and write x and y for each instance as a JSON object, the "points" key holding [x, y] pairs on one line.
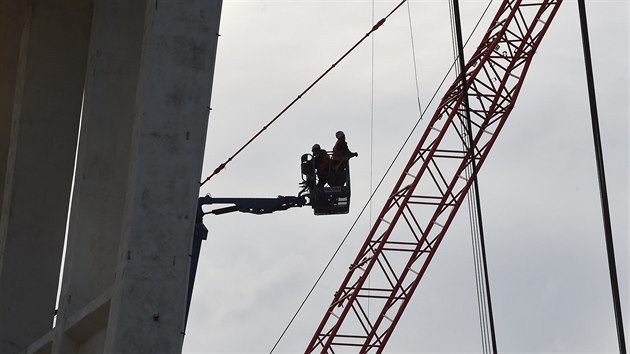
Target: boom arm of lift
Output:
{"points": [[325, 200], [251, 205], [243, 205]]}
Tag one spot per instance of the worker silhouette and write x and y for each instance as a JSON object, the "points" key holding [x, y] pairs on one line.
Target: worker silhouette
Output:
{"points": [[321, 161], [340, 156]]}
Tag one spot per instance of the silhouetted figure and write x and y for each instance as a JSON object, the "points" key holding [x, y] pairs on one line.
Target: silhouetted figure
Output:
{"points": [[340, 156], [322, 165]]}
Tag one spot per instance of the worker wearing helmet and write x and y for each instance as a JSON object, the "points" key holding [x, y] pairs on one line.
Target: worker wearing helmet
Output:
{"points": [[340, 156], [341, 153], [322, 164]]}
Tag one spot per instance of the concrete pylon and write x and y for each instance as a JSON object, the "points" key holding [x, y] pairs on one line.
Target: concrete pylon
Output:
{"points": [[143, 71], [48, 71]]}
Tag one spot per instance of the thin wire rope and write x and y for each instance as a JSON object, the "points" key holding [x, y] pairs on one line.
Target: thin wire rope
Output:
{"points": [[371, 142], [483, 323], [481, 308], [372, 117], [480, 300], [483, 301], [413, 54], [601, 177], [475, 182], [479, 278], [478, 248], [374, 28], [413, 129]]}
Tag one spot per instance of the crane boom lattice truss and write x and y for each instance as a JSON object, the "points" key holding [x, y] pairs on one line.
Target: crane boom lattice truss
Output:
{"points": [[418, 212]]}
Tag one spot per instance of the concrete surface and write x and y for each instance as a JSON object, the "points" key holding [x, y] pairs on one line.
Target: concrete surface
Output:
{"points": [[147, 69], [174, 89], [39, 166], [103, 157], [12, 17]]}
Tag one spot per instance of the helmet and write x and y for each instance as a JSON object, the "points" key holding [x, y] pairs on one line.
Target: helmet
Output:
{"points": [[340, 135], [316, 147]]}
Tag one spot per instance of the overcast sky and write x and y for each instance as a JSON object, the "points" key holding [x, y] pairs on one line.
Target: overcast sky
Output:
{"points": [[540, 202]]}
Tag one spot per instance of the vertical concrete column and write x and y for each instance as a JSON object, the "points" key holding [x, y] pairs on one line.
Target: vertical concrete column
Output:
{"points": [[149, 295], [104, 149], [102, 163], [12, 17], [45, 118]]}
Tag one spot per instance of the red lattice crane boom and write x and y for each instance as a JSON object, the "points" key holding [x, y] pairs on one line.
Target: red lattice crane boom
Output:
{"points": [[430, 190]]}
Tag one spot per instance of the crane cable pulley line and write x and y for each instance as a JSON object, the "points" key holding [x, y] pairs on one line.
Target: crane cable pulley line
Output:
{"points": [[601, 178], [474, 201], [367, 203], [372, 128], [374, 28], [413, 56]]}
